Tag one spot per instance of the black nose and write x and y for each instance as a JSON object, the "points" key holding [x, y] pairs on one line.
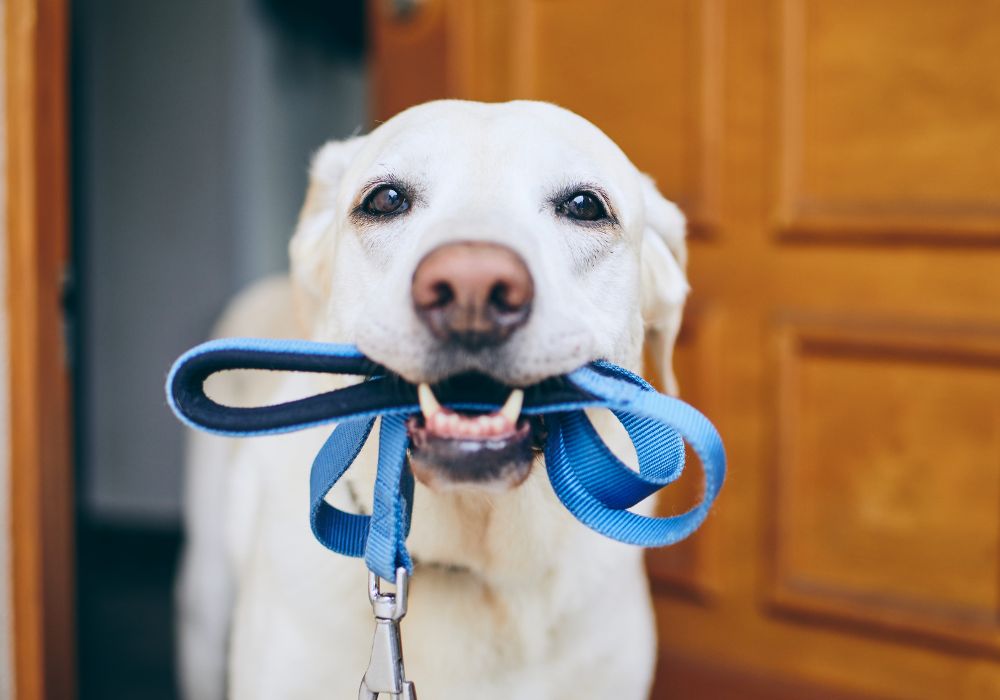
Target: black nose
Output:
{"points": [[473, 294]]}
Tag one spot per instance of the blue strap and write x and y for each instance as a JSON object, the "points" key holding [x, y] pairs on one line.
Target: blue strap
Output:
{"points": [[593, 484], [386, 550], [567, 446], [346, 533]]}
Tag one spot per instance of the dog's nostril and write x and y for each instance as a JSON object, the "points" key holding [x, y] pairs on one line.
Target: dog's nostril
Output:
{"points": [[500, 297], [443, 295]]}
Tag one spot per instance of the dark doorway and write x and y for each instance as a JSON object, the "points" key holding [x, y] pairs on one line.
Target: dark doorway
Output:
{"points": [[192, 128]]}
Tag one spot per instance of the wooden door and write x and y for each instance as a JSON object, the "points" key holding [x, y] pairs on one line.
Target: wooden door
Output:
{"points": [[840, 164], [36, 190]]}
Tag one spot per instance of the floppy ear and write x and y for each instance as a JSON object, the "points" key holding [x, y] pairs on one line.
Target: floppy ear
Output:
{"points": [[314, 242], [664, 282]]}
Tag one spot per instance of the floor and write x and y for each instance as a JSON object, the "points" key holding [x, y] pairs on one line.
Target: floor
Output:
{"points": [[125, 579]]}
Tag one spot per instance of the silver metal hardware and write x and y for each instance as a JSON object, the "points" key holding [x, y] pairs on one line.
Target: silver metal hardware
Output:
{"points": [[385, 670]]}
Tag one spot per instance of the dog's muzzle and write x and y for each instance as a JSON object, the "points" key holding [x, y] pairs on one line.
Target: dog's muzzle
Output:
{"points": [[472, 296]]}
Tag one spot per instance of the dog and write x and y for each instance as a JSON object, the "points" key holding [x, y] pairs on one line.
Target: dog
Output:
{"points": [[507, 243]]}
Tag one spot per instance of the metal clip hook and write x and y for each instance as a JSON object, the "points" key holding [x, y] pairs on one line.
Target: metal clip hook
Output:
{"points": [[385, 669]]}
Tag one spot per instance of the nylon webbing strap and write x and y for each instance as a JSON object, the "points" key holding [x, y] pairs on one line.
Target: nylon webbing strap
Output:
{"points": [[593, 484]]}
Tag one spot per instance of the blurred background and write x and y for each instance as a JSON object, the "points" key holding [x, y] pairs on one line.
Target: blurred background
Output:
{"points": [[192, 125], [839, 162]]}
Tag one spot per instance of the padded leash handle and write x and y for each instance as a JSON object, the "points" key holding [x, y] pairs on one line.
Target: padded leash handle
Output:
{"points": [[378, 395], [186, 390]]}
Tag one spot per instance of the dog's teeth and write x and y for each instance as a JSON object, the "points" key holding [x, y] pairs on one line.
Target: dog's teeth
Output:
{"points": [[466, 428], [436, 423], [486, 425], [512, 408], [428, 402]]}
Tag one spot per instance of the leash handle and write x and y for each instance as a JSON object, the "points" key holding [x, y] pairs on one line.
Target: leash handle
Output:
{"points": [[378, 395], [593, 484], [187, 397]]}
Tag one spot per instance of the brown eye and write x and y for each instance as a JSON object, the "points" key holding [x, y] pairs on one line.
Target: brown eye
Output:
{"points": [[385, 200], [583, 206]]}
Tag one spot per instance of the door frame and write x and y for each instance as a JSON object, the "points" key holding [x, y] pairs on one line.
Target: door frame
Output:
{"points": [[35, 34]]}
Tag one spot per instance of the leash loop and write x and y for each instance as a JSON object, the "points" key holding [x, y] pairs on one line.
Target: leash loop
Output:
{"points": [[593, 484]]}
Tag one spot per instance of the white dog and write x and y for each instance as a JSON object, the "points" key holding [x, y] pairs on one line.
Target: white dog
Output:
{"points": [[506, 242]]}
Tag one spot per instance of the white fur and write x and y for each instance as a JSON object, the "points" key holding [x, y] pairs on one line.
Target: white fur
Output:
{"points": [[513, 598]]}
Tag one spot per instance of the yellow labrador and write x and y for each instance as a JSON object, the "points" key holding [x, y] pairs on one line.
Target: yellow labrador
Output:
{"points": [[506, 243]]}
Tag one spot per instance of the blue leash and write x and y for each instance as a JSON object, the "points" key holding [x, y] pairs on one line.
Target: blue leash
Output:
{"points": [[593, 484]]}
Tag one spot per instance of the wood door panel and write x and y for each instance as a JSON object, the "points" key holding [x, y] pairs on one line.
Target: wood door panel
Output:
{"points": [[688, 677], [35, 43], [888, 480], [571, 52], [888, 118], [410, 56]]}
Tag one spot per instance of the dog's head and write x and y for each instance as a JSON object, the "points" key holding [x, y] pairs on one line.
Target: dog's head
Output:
{"points": [[493, 245]]}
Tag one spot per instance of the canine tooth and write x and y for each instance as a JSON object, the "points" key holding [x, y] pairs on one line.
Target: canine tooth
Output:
{"points": [[498, 424], [512, 408], [428, 402]]}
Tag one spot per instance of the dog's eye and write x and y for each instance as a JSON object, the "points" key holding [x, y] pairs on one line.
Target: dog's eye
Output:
{"points": [[385, 200], [583, 206]]}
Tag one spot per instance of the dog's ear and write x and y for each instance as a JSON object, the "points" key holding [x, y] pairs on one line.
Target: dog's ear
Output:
{"points": [[664, 282], [313, 244]]}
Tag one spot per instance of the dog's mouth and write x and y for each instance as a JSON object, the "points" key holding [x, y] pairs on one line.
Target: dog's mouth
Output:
{"points": [[458, 448]]}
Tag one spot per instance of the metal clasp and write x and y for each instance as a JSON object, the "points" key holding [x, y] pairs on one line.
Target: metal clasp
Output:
{"points": [[385, 670]]}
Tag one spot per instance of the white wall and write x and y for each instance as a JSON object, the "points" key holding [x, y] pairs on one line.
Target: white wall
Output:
{"points": [[6, 662], [195, 121]]}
